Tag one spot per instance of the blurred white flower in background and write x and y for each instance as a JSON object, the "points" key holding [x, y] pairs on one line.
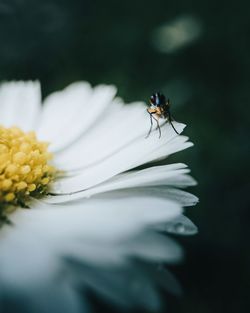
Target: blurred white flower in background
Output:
{"points": [[177, 34], [86, 217]]}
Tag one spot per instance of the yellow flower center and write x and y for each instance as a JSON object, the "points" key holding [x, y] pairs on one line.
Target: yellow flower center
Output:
{"points": [[24, 168]]}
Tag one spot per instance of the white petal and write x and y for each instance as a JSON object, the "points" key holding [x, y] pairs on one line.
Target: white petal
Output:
{"points": [[20, 104], [33, 282], [178, 143], [167, 175], [129, 123], [131, 126], [181, 225], [155, 247], [107, 217], [69, 113], [130, 286], [129, 157], [90, 234], [106, 231]]}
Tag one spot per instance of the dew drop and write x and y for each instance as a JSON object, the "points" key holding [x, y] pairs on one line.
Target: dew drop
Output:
{"points": [[179, 228]]}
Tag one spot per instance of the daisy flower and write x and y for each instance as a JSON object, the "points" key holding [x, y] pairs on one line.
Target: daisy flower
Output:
{"points": [[79, 208]]}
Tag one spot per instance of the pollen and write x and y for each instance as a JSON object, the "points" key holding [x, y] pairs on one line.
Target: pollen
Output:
{"points": [[25, 169]]}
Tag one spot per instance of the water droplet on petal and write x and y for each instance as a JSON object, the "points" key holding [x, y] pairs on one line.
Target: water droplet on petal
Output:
{"points": [[179, 228]]}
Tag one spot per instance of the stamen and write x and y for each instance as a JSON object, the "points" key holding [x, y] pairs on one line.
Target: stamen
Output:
{"points": [[24, 167]]}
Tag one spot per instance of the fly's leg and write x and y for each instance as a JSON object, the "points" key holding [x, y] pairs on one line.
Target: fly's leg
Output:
{"points": [[151, 124], [158, 126], [170, 122]]}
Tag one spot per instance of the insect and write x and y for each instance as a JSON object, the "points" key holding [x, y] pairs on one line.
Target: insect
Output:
{"points": [[159, 109]]}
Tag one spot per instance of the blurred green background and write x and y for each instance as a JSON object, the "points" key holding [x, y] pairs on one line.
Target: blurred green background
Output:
{"points": [[198, 54]]}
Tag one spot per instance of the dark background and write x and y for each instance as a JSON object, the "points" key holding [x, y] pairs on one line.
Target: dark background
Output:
{"points": [[207, 79]]}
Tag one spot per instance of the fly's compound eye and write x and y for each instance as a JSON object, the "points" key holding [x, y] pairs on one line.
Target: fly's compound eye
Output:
{"points": [[152, 100]]}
